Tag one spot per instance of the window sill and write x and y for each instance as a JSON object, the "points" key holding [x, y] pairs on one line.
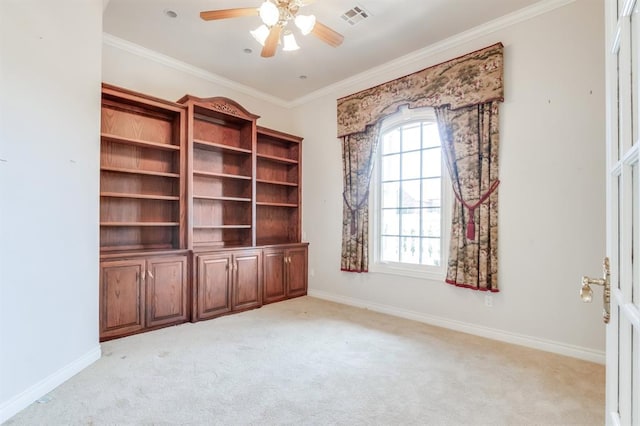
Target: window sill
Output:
{"points": [[408, 271]]}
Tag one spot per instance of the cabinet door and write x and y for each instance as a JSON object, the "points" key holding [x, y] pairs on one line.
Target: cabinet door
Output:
{"points": [[166, 282], [297, 271], [274, 276], [247, 280], [121, 297], [213, 283]]}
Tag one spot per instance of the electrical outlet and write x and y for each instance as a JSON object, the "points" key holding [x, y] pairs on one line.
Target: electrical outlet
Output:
{"points": [[488, 300]]}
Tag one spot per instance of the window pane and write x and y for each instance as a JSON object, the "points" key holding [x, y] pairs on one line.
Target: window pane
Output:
{"points": [[431, 135], [410, 250], [390, 194], [390, 224], [431, 222], [431, 192], [410, 222], [410, 214], [390, 251], [411, 165], [431, 163], [431, 251], [411, 137], [411, 193], [391, 167], [391, 142]]}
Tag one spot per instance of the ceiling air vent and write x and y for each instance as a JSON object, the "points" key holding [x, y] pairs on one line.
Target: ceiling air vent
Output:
{"points": [[355, 15]]}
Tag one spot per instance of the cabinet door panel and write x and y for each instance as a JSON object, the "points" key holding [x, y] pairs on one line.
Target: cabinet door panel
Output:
{"points": [[297, 265], [274, 276], [121, 297], [166, 290], [247, 280], [214, 285]]}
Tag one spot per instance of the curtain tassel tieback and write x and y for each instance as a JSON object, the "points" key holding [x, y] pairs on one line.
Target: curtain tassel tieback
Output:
{"points": [[471, 224], [354, 211]]}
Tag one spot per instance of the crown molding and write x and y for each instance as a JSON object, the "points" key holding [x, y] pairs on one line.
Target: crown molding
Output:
{"points": [[419, 56], [136, 49], [400, 64]]}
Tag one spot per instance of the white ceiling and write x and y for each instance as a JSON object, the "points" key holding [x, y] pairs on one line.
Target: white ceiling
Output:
{"points": [[393, 29]]}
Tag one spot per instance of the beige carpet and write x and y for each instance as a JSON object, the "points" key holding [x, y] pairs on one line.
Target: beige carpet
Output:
{"points": [[312, 362]]}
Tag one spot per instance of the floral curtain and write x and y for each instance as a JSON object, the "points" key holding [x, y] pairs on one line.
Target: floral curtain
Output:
{"points": [[358, 151], [470, 142], [471, 80]]}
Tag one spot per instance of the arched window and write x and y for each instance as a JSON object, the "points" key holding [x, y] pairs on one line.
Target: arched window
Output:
{"points": [[411, 200]]}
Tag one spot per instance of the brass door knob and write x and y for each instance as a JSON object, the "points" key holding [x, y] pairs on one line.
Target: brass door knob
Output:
{"points": [[586, 293]]}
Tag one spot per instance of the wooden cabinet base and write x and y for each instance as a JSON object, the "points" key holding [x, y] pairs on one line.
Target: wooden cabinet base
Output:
{"points": [[234, 280], [121, 298], [142, 293], [285, 272], [226, 281]]}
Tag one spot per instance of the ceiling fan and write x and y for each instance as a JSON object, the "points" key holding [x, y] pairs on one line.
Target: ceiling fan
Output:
{"points": [[276, 15]]}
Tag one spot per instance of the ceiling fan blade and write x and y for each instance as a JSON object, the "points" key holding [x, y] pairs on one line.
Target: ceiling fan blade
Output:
{"points": [[228, 13], [327, 35], [271, 43]]}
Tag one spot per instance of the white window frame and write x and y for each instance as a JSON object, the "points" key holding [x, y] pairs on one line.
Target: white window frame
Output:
{"points": [[436, 273]]}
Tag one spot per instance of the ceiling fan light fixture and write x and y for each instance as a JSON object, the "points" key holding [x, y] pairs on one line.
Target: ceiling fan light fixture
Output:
{"points": [[269, 13], [276, 16], [289, 42], [260, 34], [305, 23]]}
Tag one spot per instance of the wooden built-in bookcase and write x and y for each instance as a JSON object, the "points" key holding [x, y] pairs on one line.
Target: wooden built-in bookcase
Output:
{"points": [[142, 176], [144, 262], [221, 136], [278, 191], [200, 212]]}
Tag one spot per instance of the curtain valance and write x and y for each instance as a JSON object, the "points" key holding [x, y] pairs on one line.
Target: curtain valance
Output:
{"points": [[472, 79]]}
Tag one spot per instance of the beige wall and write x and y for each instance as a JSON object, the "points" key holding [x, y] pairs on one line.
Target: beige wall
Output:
{"points": [[552, 215], [49, 193]]}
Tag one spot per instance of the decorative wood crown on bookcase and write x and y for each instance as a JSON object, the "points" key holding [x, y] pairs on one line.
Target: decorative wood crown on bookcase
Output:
{"points": [[220, 104]]}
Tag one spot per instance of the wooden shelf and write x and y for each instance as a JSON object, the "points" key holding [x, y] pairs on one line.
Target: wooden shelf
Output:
{"points": [[276, 159], [140, 196], [206, 197], [274, 241], [220, 175], [139, 172], [219, 146], [140, 251], [276, 182], [129, 224], [139, 142], [222, 227], [269, 204]]}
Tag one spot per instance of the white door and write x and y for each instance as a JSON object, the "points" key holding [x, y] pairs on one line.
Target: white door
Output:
{"points": [[623, 211]]}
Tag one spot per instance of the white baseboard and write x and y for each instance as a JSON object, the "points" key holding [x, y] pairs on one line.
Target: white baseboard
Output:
{"points": [[21, 401], [490, 333]]}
